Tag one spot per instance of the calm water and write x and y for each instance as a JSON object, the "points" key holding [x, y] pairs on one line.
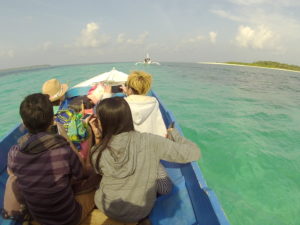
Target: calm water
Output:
{"points": [[246, 121]]}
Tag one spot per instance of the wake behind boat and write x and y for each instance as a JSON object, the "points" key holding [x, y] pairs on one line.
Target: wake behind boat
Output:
{"points": [[190, 202], [147, 61]]}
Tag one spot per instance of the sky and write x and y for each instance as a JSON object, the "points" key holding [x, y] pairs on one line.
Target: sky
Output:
{"points": [[59, 32]]}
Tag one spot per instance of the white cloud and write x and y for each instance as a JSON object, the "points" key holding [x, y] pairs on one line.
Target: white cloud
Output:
{"points": [[285, 3], [121, 39], [250, 2], [227, 15], [276, 19], [90, 37], [198, 38], [10, 53], [257, 38], [265, 22], [46, 45], [213, 37]]}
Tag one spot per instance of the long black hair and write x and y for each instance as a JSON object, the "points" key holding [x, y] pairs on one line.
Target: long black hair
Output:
{"points": [[115, 118]]}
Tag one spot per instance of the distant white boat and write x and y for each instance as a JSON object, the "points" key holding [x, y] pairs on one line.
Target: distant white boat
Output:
{"points": [[147, 61]]}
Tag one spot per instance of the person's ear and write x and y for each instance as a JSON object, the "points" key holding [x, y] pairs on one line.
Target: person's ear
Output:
{"points": [[129, 91]]}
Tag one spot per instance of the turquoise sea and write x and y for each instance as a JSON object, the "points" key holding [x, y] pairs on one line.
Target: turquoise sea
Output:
{"points": [[246, 121]]}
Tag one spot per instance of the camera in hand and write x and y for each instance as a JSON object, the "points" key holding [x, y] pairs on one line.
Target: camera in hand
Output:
{"points": [[116, 89]]}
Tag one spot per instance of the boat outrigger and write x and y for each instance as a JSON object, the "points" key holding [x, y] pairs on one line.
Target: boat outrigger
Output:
{"points": [[190, 202], [147, 61]]}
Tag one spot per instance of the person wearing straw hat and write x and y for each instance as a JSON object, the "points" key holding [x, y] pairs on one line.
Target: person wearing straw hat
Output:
{"points": [[56, 92]]}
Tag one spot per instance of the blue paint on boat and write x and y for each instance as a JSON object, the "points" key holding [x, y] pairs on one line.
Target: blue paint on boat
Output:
{"points": [[191, 201]]}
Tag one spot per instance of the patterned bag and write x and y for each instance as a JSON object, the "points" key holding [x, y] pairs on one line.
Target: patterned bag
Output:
{"points": [[76, 129]]}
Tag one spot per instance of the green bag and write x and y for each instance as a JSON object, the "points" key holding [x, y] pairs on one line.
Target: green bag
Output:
{"points": [[76, 129]]}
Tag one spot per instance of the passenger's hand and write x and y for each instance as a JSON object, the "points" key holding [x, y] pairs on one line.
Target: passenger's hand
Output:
{"points": [[168, 135], [96, 128], [170, 129], [124, 88], [107, 89], [82, 108], [87, 119]]}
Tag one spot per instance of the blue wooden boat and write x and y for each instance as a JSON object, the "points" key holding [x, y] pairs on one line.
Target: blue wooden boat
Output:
{"points": [[191, 201]]}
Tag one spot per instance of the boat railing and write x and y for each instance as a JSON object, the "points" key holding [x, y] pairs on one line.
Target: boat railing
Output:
{"points": [[206, 206]]}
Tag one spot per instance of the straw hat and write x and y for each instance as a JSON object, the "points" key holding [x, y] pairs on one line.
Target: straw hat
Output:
{"points": [[54, 89]]}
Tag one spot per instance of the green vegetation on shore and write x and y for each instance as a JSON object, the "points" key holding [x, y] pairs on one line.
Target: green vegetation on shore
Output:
{"points": [[268, 64]]}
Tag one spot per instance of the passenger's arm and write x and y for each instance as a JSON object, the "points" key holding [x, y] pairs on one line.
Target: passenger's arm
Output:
{"points": [[13, 203], [99, 93], [181, 150], [62, 132], [97, 132], [107, 92]]}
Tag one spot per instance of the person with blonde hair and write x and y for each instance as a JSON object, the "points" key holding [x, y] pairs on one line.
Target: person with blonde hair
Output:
{"points": [[139, 83], [146, 115], [145, 109]]}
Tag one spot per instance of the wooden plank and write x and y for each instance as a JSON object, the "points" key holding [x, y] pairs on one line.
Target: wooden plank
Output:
{"points": [[96, 217]]}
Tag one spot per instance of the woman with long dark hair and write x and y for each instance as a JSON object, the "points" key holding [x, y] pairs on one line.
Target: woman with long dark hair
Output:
{"points": [[129, 160]]}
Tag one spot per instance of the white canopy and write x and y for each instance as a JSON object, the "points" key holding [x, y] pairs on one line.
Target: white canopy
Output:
{"points": [[113, 77]]}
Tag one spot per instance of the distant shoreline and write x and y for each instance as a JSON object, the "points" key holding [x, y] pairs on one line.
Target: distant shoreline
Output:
{"points": [[24, 68], [232, 64]]}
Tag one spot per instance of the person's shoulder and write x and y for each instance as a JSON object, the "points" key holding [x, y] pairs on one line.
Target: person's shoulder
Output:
{"points": [[145, 135], [140, 99], [138, 135], [62, 154], [63, 150], [148, 140], [12, 156], [13, 151], [66, 149]]}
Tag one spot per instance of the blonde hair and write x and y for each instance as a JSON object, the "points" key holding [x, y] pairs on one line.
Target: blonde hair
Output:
{"points": [[140, 82]]}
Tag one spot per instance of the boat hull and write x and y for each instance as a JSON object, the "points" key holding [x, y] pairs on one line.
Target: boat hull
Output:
{"points": [[190, 202]]}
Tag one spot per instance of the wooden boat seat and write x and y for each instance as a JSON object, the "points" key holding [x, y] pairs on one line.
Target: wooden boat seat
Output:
{"points": [[96, 217]]}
